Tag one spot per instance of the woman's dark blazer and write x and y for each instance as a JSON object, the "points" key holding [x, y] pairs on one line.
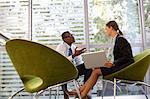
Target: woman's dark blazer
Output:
{"points": [[122, 56], [122, 52]]}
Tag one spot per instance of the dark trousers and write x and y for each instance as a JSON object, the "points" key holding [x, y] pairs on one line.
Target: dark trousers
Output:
{"points": [[81, 71]]}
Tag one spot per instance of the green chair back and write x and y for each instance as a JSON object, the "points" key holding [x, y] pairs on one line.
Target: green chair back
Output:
{"points": [[136, 71], [39, 66]]}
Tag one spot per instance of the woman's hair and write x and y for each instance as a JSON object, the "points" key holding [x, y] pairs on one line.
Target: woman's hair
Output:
{"points": [[114, 25]]}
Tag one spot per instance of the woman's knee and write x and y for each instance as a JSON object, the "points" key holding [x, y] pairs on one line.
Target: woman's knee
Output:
{"points": [[96, 72]]}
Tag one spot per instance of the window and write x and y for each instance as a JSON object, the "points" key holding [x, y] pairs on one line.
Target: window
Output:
{"points": [[51, 18], [14, 18], [147, 21], [44, 21], [124, 12], [13, 24]]}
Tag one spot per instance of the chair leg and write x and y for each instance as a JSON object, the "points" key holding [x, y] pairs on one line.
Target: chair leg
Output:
{"points": [[35, 96], [117, 87], [76, 87], [145, 84], [143, 92], [104, 88], [50, 93], [114, 88], [58, 92], [13, 95]]}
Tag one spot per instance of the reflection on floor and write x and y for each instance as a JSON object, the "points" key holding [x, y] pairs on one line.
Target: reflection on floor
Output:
{"points": [[123, 97]]}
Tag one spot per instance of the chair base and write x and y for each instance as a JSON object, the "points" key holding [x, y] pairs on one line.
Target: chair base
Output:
{"points": [[134, 83], [13, 95], [76, 85]]}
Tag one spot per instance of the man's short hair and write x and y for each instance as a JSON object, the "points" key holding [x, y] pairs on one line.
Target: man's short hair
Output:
{"points": [[63, 34]]}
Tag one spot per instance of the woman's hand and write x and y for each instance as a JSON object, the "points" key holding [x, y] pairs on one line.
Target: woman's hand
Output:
{"points": [[108, 64]]}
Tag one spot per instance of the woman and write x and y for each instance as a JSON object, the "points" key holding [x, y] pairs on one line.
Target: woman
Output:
{"points": [[121, 56]]}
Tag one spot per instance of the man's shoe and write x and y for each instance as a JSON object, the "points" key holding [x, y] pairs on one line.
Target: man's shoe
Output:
{"points": [[66, 96], [87, 97]]}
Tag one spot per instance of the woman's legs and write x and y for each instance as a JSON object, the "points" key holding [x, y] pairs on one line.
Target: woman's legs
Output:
{"points": [[90, 82]]}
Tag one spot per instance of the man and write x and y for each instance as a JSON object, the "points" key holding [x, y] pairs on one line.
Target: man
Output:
{"points": [[69, 50]]}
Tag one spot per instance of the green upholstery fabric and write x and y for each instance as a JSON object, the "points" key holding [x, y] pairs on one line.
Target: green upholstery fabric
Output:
{"points": [[39, 66], [136, 71]]}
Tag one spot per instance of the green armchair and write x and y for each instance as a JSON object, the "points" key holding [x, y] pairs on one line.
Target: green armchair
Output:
{"points": [[133, 73], [39, 66]]}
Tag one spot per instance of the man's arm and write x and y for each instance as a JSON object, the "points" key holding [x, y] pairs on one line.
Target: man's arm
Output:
{"points": [[62, 50]]}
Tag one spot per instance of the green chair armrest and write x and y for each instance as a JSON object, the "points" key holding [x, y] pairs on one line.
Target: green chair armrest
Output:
{"points": [[31, 82]]}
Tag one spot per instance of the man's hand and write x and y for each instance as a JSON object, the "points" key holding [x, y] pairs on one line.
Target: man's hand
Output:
{"points": [[78, 52], [108, 64]]}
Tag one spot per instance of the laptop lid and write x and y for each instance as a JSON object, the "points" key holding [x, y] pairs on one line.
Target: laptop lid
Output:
{"points": [[94, 59]]}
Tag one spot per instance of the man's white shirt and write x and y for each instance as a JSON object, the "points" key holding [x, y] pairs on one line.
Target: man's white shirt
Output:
{"points": [[63, 48]]}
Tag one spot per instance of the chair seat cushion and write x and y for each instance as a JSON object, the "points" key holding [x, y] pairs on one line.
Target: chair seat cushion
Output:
{"points": [[31, 83]]}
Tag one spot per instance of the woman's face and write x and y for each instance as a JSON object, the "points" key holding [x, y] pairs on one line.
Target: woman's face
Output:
{"points": [[108, 31]]}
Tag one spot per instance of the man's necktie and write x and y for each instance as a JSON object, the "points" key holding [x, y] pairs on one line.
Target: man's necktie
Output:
{"points": [[69, 51]]}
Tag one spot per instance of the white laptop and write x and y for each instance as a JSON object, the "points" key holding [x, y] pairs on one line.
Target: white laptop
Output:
{"points": [[94, 59]]}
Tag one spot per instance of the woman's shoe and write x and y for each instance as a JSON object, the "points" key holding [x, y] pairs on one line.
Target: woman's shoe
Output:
{"points": [[72, 93]]}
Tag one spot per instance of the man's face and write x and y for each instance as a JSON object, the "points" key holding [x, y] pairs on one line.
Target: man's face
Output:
{"points": [[68, 38]]}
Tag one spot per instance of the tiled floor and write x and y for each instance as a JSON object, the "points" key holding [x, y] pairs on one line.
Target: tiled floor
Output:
{"points": [[93, 97], [123, 97]]}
